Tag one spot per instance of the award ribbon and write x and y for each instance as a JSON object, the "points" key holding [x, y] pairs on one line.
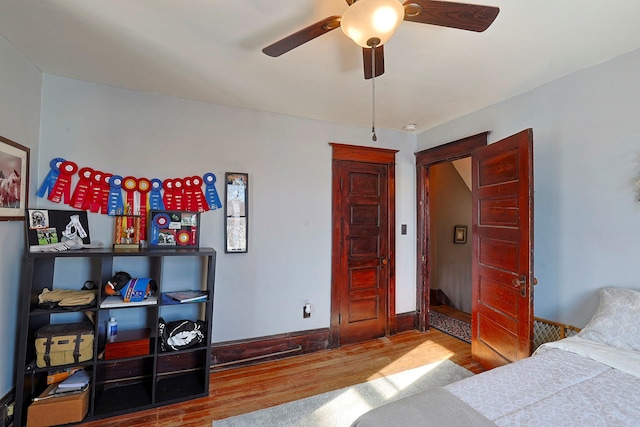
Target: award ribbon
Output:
{"points": [[144, 186], [79, 200], [211, 193], [178, 195], [198, 203], [194, 235], [155, 198], [167, 196], [129, 185], [188, 194], [51, 178], [62, 188], [96, 192], [116, 204], [106, 190]]}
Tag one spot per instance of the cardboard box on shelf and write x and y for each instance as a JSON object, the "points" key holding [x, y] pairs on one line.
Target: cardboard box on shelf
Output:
{"points": [[51, 411]]}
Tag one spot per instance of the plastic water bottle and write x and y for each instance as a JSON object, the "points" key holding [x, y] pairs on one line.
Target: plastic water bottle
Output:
{"points": [[112, 329]]}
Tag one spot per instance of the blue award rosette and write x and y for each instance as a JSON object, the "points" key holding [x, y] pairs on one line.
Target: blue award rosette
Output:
{"points": [[210, 191], [155, 198], [51, 178], [116, 204]]}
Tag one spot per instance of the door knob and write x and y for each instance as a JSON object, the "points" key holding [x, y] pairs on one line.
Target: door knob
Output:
{"points": [[519, 281]]}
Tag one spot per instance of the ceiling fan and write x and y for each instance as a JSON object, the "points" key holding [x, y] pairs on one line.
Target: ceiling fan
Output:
{"points": [[357, 23]]}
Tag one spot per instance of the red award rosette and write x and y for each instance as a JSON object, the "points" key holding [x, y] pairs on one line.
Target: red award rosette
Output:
{"points": [[62, 188], [96, 192], [198, 201], [106, 190], [167, 195], [81, 198], [178, 195]]}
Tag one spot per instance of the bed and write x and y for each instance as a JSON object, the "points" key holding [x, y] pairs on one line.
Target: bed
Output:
{"points": [[590, 379]]}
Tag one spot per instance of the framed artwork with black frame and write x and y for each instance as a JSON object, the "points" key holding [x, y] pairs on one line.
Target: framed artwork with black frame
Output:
{"points": [[173, 229], [47, 228], [236, 230], [14, 180], [460, 234]]}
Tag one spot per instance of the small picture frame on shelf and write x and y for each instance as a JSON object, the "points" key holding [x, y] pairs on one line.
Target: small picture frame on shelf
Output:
{"points": [[174, 229], [460, 234]]}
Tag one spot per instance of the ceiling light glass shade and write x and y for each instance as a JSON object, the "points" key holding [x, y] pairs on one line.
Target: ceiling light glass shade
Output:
{"points": [[370, 19]]}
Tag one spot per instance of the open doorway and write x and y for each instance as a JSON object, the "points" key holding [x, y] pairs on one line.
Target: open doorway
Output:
{"points": [[427, 162], [502, 244], [451, 203]]}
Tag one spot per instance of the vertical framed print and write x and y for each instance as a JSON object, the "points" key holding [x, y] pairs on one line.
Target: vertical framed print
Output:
{"points": [[236, 231], [460, 234], [14, 180]]}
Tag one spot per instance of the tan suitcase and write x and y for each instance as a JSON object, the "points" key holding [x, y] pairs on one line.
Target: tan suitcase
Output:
{"points": [[63, 344]]}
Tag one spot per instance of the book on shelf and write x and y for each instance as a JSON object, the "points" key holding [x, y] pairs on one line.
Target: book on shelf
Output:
{"points": [[188, 296], [76, 381], [117, 301]]}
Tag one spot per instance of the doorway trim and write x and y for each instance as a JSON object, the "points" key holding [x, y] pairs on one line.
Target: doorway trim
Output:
{"points": [[353, 153], [424, 160]]}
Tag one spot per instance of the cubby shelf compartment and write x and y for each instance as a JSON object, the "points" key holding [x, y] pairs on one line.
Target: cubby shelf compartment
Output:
{"points": [[127, 384]]}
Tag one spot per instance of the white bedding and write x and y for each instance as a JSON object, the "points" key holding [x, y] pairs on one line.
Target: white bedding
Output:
{"points": [[562, 385], [592, 379]]}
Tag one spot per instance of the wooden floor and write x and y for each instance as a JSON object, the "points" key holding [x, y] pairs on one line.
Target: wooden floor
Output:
{"points": [[239, 390]]}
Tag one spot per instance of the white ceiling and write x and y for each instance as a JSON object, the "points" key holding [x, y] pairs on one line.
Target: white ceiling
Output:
{"points": [[210, 50]]}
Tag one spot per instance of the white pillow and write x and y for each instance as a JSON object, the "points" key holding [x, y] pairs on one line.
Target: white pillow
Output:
{"points": [[616, 321]]}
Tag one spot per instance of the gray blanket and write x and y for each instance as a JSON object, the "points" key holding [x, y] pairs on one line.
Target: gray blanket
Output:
{"points": [[433, 407]]}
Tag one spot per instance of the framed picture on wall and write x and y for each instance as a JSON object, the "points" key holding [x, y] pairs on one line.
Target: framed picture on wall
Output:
{"points": [[460, 234], [14, 180], [236, 230]]}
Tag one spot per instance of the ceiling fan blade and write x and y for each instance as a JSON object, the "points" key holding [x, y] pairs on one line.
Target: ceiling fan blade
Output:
{"points": [[462, 16], [300, 37], [379, 58]]}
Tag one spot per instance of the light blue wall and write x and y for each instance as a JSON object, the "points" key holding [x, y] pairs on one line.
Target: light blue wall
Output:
{"points": [[20, 84], [586, 131], [289, 164]]}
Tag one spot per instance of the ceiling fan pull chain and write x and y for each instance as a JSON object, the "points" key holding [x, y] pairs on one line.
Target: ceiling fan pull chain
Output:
{"points": [[373, 92]]}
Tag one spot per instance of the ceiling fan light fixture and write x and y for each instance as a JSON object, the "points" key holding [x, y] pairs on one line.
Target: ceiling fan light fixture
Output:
{"points": [[372, 19]]}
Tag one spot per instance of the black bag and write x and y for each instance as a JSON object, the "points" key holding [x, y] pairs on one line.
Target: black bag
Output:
{"points": [[181, 334]]}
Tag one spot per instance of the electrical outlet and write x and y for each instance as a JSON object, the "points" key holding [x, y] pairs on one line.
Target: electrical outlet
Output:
{"points": [[306, 311]]}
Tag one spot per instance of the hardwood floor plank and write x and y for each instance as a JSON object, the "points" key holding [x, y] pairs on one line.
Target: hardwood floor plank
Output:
{"points": [[235, 391]]}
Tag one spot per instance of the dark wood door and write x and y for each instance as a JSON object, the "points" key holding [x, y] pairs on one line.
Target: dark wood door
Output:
{"points": [[363, 308], [363, 242], [502, 268]]}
